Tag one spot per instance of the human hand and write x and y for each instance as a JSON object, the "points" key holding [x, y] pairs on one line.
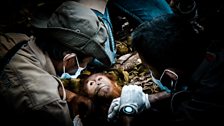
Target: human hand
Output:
{"points": [[113, 110], [77, 121], [133, 94], [133, 100]]}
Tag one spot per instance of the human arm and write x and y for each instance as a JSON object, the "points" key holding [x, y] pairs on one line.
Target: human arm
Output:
{"points": [[203, 101], [52, 114], [133, 95]]}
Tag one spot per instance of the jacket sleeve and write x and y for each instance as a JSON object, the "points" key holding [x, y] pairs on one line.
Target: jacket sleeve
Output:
{"points": [[205, 100], [53, 114]]}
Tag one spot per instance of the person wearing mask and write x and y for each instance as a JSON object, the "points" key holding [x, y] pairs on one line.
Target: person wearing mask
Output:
{"points": [[193, 63], [61, 47], [136, 12]]}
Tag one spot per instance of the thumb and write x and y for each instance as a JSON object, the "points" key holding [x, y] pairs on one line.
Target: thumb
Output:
{"points": [[113, 114], [113, 108], [77, 121]]}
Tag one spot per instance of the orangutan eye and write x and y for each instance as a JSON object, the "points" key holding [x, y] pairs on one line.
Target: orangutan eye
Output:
{"points": [[99, 78], [90, 83]]}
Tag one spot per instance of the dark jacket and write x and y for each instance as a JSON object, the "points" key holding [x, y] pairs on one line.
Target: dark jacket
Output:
{"points": [[203, 101]]}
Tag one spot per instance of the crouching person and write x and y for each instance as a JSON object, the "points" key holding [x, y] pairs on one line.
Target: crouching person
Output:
{"points": [[168, 44], [62, 47]]}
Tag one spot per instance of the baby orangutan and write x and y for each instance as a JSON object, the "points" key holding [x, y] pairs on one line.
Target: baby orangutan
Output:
{"points": [[101, 86], [93, 99], [101, 89]]}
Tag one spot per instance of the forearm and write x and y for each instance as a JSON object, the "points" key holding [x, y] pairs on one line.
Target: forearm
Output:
{"points": [[158, 96], [55, 113]]}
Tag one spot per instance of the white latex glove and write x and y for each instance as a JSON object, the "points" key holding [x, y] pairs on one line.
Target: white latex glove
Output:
{"points": [[133, 100], [113, 110], [77, 121]]}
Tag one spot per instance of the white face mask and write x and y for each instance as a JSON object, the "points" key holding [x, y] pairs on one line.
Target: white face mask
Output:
{"points": [[77, 73]]}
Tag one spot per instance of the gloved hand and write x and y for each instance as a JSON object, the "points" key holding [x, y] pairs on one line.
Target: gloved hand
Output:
{"points": [[113, 110], [133, 100], [77, 121]]}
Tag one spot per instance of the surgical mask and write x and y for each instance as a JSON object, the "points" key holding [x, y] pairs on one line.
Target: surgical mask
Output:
{"points": [[77, 73], [171, 82]]}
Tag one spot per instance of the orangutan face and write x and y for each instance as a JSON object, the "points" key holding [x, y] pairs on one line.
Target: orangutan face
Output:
{"points": [[100, 85]]}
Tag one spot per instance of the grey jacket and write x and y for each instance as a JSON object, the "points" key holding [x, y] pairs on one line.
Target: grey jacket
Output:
{"points": [[29, 90]]}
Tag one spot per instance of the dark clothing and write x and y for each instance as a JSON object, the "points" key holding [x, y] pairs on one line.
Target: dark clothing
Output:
{"points": [[202, 102], [207, 89], [168, 43]]}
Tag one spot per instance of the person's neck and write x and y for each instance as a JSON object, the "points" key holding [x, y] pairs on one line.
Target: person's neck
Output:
{"points": [[98, 5]]}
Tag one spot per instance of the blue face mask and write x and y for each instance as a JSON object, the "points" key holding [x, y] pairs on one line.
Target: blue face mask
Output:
{"points": [[77, 73], [161, 85]]}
